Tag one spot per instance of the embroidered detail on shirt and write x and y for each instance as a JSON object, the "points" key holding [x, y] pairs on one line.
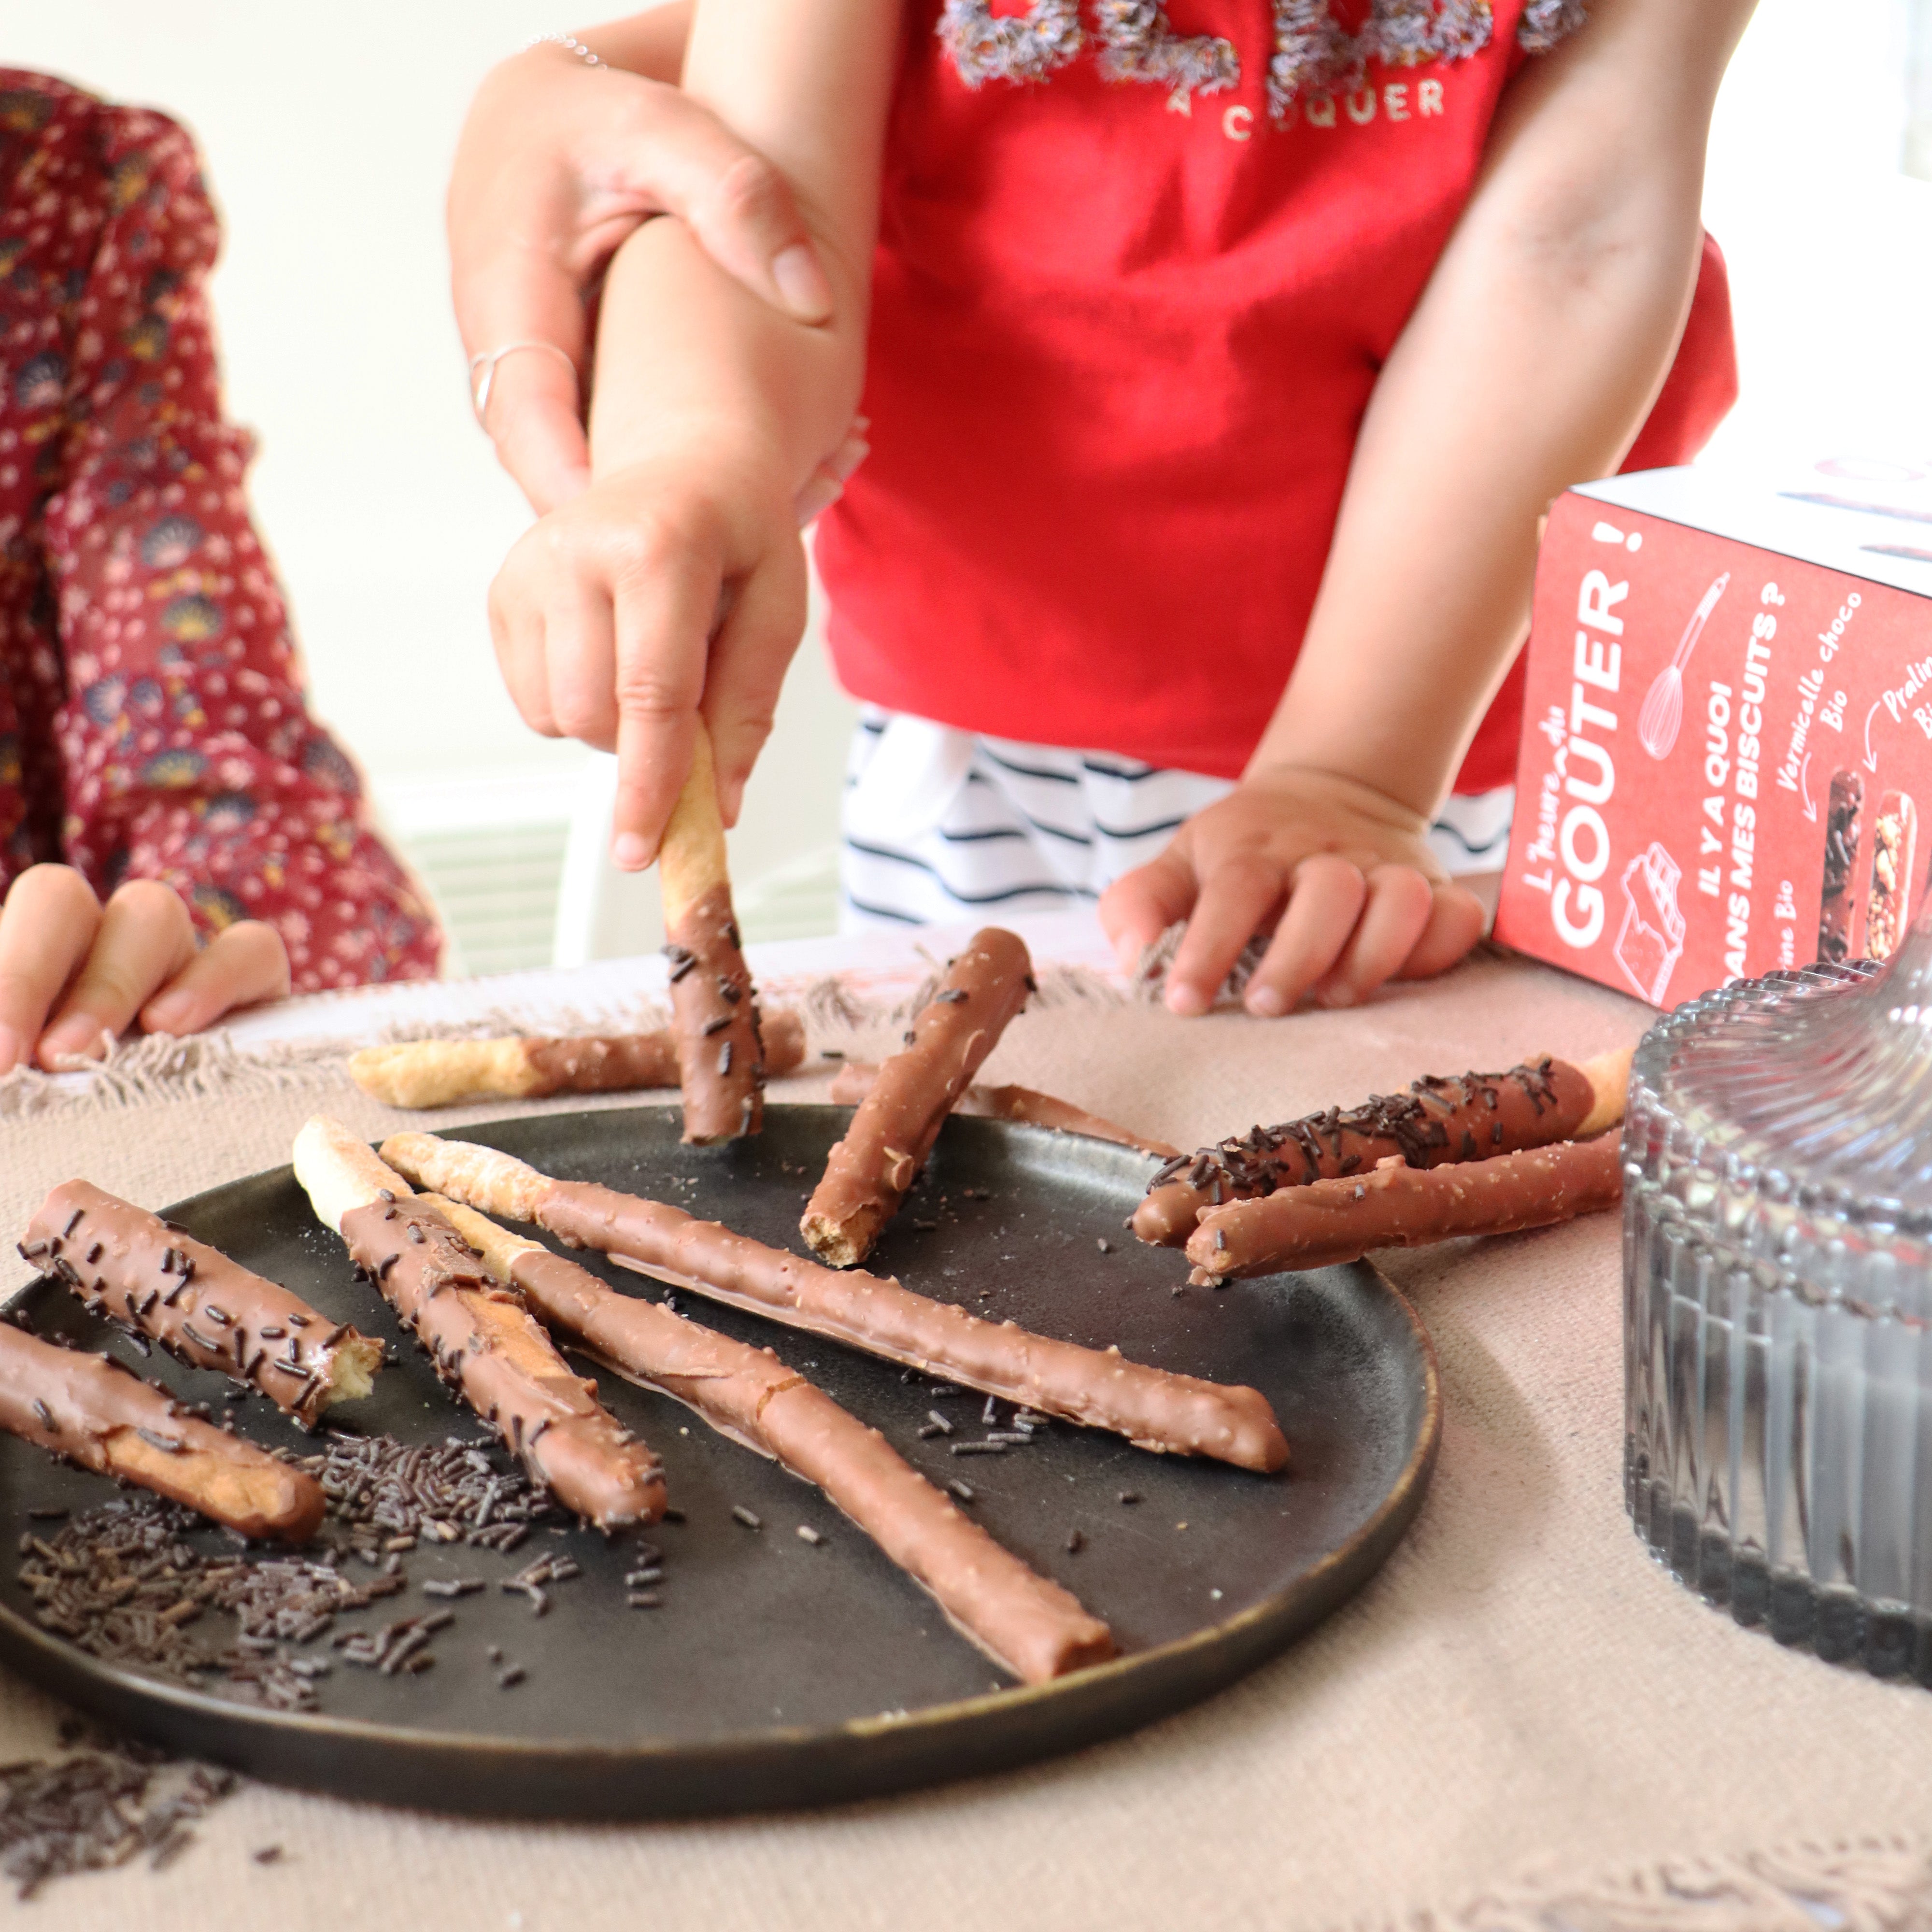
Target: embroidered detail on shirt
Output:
{"points": [[1137, 43], [1028, 48], [1544, 22], [1314, 52]]}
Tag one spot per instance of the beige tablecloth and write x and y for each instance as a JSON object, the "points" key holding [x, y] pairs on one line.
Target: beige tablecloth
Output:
{"points": [[1521, 1722]]}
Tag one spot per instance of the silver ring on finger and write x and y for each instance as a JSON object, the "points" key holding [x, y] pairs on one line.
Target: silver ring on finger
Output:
{"points": [[483, 374]]}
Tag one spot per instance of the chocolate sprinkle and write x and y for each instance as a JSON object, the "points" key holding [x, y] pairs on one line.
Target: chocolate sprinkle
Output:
{"points": [[99, 1808]]}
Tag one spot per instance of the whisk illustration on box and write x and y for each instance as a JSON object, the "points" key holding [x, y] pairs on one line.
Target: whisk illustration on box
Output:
{"points": [[1663, 710]]}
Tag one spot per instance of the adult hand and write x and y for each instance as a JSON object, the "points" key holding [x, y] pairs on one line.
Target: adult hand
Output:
{"points": [[558, 162], [1342, 875], [74, 974]]}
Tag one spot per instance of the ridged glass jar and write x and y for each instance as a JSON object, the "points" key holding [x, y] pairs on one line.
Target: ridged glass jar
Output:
{"points": [[1777, 1304]]}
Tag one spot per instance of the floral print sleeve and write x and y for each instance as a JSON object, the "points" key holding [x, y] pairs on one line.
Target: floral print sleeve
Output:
{"points": [[157, 724]]}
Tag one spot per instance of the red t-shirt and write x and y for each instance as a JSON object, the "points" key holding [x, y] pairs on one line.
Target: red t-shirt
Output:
{"points": [[1133, 288]]}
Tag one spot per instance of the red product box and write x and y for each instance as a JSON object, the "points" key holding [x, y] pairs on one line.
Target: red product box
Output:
{"points": [[1727, 729]]}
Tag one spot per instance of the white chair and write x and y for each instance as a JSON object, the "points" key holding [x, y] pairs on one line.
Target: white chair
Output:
{"points": [[601, 913]]}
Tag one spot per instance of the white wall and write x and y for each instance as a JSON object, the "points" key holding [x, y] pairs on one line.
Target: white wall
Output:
{"points": [[328, 129], [1830, 246]]}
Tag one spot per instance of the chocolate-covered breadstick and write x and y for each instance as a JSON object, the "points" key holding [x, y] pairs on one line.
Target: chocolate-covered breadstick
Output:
{"points": [[867, 1173], [1178, 1413], [94, 1412], [439, 1072], [720, 1054], [1397, 1206], [1028, 1625], [479, 1333], [1838, 897], [855, 1079], [1894, 848], [1469, 1117], [208, 1311]]}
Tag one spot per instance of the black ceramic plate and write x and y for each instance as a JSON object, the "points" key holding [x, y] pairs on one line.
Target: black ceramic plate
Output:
{"points": [[776, 1672]]}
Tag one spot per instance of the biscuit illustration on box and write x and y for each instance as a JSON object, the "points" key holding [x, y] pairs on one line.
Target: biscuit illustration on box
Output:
{"points": [[1651, 941], [1837, 904], [1895, 838]]}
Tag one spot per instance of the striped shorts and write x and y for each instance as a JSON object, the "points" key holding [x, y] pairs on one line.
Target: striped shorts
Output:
{"points": [[943, 826]]}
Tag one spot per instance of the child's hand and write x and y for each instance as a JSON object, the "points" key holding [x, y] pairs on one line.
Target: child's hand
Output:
{"points": [[1346, 872], [72, 970], [606, 621]]}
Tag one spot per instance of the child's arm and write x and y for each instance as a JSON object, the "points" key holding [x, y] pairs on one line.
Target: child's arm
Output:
{"points": [[712, 411], [558, 162], [1544, 335]]}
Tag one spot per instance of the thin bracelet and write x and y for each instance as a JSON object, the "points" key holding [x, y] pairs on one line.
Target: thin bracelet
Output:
{"points": [[570, 44]]}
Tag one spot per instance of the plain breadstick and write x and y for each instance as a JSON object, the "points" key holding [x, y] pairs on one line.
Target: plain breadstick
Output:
{"points": [[90, 1409], [479, 1335], [1026, 1624], [1182, 1415], [1468, 1116], [867, 1174], [714, 1013], [857, 1078], [1397, 1206], [440, 1072]]}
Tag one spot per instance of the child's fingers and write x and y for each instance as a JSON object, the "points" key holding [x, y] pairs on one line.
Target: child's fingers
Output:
{"points": [[1139, 906], [1237, 900], [1326, 902], [145, 937], [516, 635], [241, 965], [747, 668], [47, 924], [580, 655], [667, 597], [1398, 907], [1455, 921]]}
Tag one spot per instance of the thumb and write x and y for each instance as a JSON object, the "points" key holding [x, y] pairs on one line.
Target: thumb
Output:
{"points": [[741, 208]]}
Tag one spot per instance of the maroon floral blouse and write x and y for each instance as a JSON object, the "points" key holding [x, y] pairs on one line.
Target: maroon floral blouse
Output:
{"points": [[152, 723]]}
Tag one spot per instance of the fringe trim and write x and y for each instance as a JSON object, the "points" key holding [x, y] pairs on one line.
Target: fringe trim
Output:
{"points": [[1138, 44], [984, 48], [1872, 1884], [155, 1069], [1150, 973]]}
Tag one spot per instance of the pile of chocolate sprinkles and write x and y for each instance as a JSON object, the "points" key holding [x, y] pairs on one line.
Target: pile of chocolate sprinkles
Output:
{"points": [[100, 1807], [123, 1583], [1292, 1154], [389, 1497]]}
